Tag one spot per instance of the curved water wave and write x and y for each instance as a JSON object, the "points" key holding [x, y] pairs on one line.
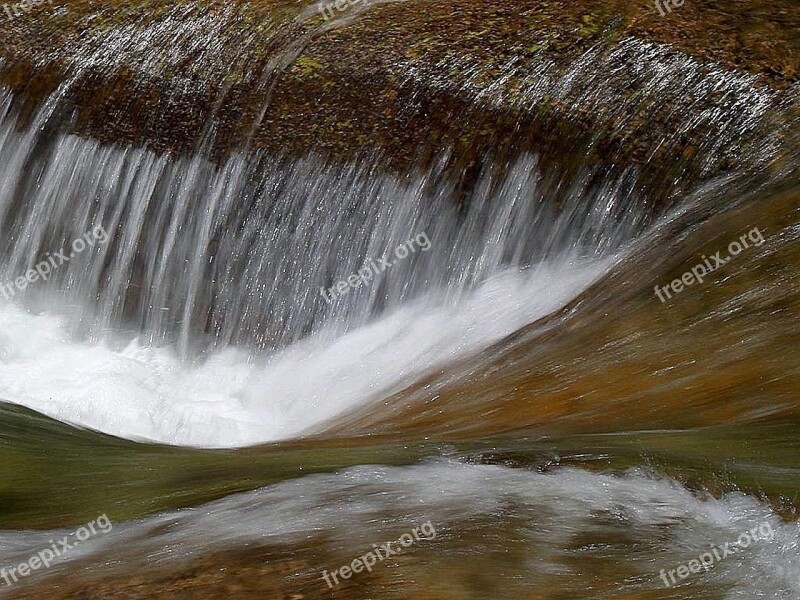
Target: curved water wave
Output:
{"points": [[561, 528], [237, 267]]}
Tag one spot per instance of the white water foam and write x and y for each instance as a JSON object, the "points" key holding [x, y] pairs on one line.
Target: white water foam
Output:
{"points": [[231, 398], [643, 522]]}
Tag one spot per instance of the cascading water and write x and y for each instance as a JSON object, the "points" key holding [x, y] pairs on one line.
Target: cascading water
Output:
{"points": [[202, 258], [491, 379]]}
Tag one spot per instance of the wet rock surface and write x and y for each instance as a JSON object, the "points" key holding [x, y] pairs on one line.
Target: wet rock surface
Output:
{"points": [[398, 77]]}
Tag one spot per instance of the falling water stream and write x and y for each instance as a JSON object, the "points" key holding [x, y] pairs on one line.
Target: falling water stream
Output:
{"points": [[507, 367]]}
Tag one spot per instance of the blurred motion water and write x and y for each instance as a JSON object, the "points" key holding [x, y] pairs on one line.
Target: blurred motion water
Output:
{"points": [[517, 384]]}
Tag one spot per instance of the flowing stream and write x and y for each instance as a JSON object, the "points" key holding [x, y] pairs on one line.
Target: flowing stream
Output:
{"points": [[513, 322]]}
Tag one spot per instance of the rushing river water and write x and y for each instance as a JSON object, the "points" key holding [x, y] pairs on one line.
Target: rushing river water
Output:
{"points": [[510, 376]]}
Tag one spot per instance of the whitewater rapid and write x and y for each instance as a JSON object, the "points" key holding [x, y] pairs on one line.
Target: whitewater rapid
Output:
{"points": [[638, 519], [232, 396]]}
